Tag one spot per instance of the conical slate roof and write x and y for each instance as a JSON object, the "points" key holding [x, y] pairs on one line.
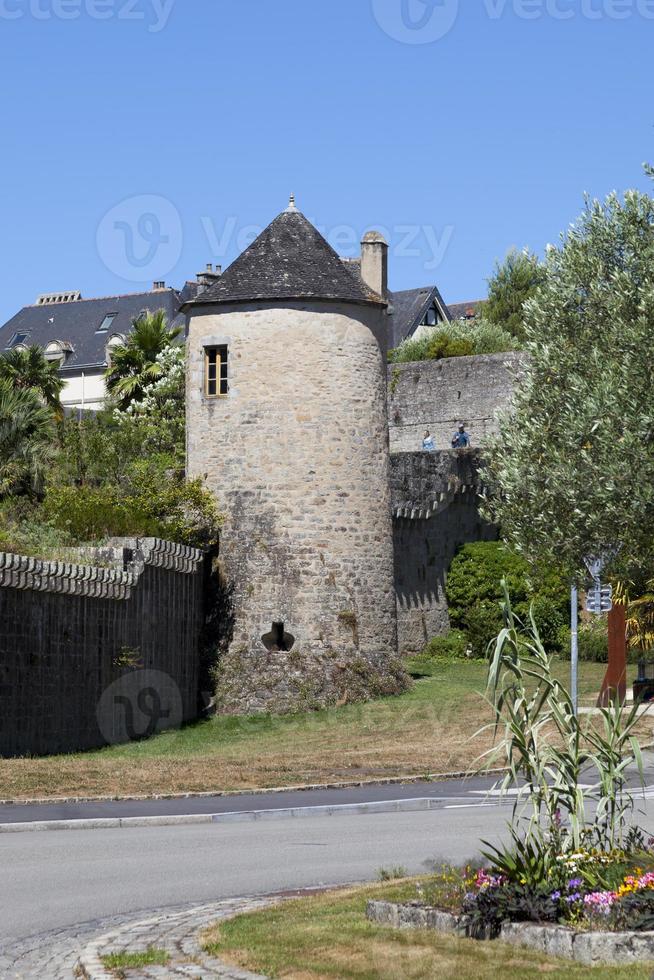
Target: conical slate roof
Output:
{"points": [[289, 260]]}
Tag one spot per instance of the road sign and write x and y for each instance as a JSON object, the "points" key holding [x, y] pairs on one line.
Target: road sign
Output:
{"points": [[599, 599]]}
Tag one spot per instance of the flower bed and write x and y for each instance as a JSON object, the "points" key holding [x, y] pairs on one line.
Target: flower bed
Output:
{"points": [[605, 894], [604, 913]]}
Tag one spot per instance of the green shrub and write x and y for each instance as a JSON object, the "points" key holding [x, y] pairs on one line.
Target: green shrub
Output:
{"points": [[483, 621], [452, 646], [459, 338], [25, 531], [155, 502], [550, 620], [94, 513], [443, 345], [474, 594], [593, 641]]}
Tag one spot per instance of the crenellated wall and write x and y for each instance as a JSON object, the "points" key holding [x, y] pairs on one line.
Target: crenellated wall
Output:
{"points": [[437, 395], [94, 655], [436, 510]]}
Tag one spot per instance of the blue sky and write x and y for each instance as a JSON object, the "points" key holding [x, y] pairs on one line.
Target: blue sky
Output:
{"points": [[142, 139]]}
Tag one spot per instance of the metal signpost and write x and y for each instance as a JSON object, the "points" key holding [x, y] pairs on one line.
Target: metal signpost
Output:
{"points": [[599, 600]]}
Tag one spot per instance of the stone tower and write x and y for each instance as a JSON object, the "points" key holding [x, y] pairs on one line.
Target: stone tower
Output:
{"points": [[286, 420]]}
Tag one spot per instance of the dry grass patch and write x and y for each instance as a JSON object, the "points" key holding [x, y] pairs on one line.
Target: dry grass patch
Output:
{"points": [[426, 730], [327, 937]]}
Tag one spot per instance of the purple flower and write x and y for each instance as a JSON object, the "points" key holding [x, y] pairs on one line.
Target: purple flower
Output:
{"points": [[575, 897], [575, 883], [555, 896]]}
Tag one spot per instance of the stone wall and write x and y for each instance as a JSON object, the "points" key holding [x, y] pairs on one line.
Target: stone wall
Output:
{"points": [[96, 655], [297, 456], [435, 510], [437, 395]]}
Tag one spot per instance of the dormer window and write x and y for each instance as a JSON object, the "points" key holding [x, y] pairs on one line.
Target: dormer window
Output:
{"points": [[432, 317], [18, 340], [216, 379], [54, 353], [106, 323]]}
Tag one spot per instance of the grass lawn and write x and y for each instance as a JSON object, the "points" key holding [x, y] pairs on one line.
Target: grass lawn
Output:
{"points": [[119, 962], [426, 730], [327, 937]]}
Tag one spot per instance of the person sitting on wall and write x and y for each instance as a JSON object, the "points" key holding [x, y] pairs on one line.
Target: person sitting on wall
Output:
{"points": [[461, 439], [428, 443]]}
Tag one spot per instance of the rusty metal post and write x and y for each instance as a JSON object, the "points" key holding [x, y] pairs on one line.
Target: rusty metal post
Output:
{"points": [[615, 682]]}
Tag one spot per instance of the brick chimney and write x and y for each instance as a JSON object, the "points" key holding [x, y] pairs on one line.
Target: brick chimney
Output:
{"points": [[158, 285], [374, 262]]}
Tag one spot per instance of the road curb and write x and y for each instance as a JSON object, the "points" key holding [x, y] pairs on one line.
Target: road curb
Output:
{"points": [[235, 816], [435, 777]]}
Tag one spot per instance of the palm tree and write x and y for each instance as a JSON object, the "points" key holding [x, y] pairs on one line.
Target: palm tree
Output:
{"points": [[640, 620], [134, 364], [25, 368], [26, 439]]}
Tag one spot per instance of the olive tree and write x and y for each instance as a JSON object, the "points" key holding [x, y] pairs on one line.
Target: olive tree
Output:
{"points": [[571, 472]]}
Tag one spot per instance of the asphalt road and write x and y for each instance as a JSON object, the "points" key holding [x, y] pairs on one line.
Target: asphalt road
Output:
{"points": [[58, 880]]}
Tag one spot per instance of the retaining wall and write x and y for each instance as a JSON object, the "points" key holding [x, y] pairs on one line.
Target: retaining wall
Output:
{"points": [[96, 655]]}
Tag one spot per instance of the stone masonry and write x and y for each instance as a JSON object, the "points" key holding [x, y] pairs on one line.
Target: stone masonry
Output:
{"points": [[437, 395], [298, 458], [435, 510], [435, 495], [96, 655]]}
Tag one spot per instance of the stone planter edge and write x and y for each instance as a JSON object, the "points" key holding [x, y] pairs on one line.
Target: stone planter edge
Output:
{"points": [[588, 948]]}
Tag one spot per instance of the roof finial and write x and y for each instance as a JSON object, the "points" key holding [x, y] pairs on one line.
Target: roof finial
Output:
{"points": [[291, 204]]}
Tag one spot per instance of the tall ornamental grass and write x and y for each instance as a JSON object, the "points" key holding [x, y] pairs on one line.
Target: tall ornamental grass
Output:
{"points": [[571, 777]]}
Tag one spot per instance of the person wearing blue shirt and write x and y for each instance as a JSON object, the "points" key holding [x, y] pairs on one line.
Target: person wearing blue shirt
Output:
{"points": [[461, 439], [428, 443]]}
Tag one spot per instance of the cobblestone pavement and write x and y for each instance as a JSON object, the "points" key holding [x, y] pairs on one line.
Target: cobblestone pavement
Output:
{"points": [[64, 955]]}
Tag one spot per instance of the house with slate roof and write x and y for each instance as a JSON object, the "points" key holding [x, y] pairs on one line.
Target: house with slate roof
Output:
{"points": [[78, 334]]}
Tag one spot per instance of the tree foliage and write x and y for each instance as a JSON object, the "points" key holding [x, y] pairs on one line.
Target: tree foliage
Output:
{"points": [[26, 440], [122, 472], [135, 365], [514, 281], [571, 473], [27, 368], [112, 473]]}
